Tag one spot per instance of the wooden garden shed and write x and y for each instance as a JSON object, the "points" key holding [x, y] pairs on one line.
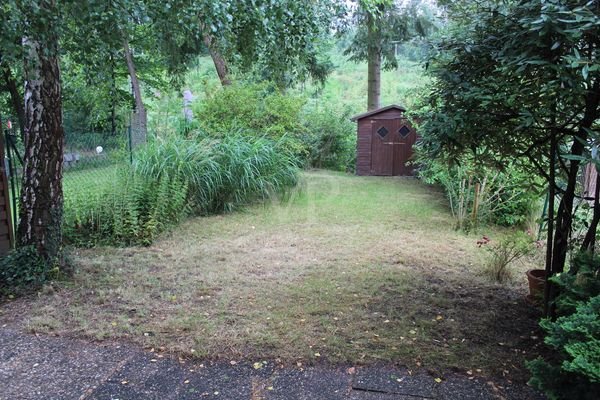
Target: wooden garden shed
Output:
{"points": [[385, 142]]}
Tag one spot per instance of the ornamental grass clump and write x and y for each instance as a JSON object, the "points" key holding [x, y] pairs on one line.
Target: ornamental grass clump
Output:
{"points": [[171, 178]]}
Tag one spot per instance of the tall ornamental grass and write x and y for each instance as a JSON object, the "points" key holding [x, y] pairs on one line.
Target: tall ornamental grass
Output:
{"points": [[171, 178]]}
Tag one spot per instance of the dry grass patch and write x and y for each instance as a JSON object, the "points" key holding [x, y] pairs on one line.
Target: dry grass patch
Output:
{"points": [[349, 270]]}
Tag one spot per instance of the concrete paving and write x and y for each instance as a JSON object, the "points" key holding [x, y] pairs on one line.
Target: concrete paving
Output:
{"points": [[50, 368]]}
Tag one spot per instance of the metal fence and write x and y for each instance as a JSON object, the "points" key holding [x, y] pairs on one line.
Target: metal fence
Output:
{"points": [[91, 160]]}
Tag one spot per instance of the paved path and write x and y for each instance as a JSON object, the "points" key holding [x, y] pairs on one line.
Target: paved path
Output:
{"points": [[48, 368]]}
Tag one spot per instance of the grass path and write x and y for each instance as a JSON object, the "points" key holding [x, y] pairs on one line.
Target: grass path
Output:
{"points": [[349, 270]]}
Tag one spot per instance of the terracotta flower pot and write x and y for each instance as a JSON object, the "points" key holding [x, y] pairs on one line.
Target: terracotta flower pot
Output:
{"points": [[537, 284]]}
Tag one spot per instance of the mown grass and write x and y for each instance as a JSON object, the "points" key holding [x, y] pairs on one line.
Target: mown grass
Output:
{"points": [[349, 270]]}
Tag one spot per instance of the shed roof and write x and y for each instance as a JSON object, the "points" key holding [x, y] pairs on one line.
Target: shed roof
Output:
{"points": [[377, 111]]}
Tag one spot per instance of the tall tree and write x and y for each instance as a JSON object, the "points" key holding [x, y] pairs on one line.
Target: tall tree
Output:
{"points": [[379, 26], [521, 80], [41, 203], [279, 38]]}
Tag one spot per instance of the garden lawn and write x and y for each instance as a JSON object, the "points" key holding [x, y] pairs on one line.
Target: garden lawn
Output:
{"points": [[350, 270]]}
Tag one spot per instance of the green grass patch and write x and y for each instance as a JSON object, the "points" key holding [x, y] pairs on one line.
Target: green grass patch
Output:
{"points": [[349, 270]]}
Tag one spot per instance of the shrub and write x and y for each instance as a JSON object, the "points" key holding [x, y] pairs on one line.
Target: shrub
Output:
{"points": [[575, 373], [482, 194], [502, 254], [256, 109], [574, 370], [173, 177], [23, 267], [330, 138]]}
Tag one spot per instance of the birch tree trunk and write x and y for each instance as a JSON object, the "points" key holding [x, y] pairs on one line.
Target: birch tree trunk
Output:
{"points": [[140, 131], [41, 204]]}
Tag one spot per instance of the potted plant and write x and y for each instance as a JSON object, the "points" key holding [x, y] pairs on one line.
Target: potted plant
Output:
{"points": [[537, 284]]}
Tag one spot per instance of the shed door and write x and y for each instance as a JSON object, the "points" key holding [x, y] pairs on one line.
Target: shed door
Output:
{"points": [[404, 139], [382, 146]]}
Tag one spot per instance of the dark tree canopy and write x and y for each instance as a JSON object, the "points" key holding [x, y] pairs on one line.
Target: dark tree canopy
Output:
{"points": [[520, 80]]}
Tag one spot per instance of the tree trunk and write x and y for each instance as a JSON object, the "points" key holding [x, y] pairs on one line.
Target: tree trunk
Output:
{"points": [[549, 241], [41, 205], [374, 67], [218, 60], [15, 96], [589, 243], [564, 218], [140, 130]]}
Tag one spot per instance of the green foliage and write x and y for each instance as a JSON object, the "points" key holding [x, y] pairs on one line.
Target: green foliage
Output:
{"points": [[382, 24], [574, 371], [23, 267], [502, 254], [256, 109], [581, 282], [330, 138], [575, 374], [481, 194], [282, 39], [174, 177]]}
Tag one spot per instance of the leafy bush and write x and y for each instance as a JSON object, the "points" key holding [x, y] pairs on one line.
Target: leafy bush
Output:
{"points": [[502, 254], [575, 374], [579, 284], [330, 138], [173, 177], [574, 371], [23, 267], [257, 109], [482, 194]]}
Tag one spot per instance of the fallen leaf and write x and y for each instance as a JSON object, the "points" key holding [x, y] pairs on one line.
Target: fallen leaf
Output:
{"points": [[438, 380], [351, 370], [439, 318], [257, 365]]}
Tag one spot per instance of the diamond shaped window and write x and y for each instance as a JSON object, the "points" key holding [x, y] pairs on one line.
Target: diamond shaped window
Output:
{"points": [[382, 132], [404, 131]]}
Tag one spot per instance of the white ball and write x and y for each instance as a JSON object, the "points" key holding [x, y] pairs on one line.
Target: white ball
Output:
{"points": [[99, 149]]}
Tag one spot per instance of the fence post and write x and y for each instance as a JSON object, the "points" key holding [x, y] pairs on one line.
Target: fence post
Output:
{"points": [[130, 142], [6, 242]]}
